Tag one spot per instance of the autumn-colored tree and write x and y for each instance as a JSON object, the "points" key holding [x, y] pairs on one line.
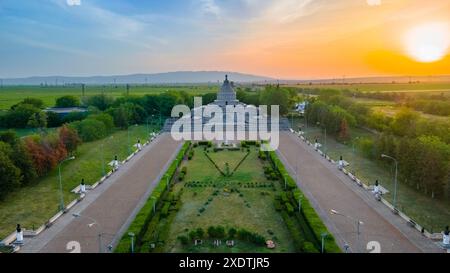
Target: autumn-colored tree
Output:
{"points": [[69, 138], [38, 156], [344, 133], [46, 153]]}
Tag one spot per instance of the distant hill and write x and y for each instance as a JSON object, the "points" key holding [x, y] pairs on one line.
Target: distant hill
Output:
{"points": [[374, 80], [181, 77]]}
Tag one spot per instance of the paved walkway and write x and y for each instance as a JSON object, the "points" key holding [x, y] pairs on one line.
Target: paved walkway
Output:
{"points": [[328, 188], [113, 204]]}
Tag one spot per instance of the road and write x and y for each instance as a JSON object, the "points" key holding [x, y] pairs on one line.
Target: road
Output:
{"points": [[111, 205], [328, 188]]}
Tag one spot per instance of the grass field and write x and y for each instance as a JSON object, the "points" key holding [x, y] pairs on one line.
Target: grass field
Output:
{"points": [[383, 87], [433, 214], [10, 95], [249, 208], [33, 205]]}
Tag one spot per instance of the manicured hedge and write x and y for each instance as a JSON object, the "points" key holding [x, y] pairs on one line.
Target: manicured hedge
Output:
{"points": [[310, 215], [145, 215]]}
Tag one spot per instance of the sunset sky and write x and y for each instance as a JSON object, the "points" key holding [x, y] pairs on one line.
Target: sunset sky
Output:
{"points": [[286, 39]]}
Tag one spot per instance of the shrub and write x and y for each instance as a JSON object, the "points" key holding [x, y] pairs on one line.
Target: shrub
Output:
{"points": [[181, 176], [184, 170], [277, 205], [232, 233], [200, 233], [216, 232], [183, 239], [309, 247], [251, 237], [165, 209], [293, 230], [74, 116], [289, 208], [193, 235], [191, 154]]}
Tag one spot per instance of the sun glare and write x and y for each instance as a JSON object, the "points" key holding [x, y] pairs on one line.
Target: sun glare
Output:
{"points": [[428, 42]]}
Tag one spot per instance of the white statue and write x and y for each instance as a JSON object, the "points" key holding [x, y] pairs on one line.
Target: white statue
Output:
{"points": [[19, 234], [446, 238], [82, 186], [341, 163], [376, 188], [115, 163]]}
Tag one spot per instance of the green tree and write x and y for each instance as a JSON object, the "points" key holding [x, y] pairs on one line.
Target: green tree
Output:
{"points": [[274, 95], [19, 117], [121, 117], [200, 233], [9, 173], [37, 103], [404, 123], [433, 164], [90, 129], [102, 102], [107, 120], [67, 101], [38, 120]]}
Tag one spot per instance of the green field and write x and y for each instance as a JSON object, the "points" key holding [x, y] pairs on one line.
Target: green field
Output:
{"points": [[249, 209], [10, 95], [391, 108], [431, 213], [33, 205], [383, 87]]}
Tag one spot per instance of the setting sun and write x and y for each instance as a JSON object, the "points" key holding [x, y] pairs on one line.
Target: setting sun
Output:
{"points": [[428, 42]]}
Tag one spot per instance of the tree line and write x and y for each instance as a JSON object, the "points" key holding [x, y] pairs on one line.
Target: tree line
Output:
{"points": [[421, 145]]}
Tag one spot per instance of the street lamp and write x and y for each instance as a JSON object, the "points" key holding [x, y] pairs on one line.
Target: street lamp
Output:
{"points": [[323, 235], [131, 234], [103, 159], [94, 223], [300, 203], [325, 140], [358, 223], [129, 144], [61, 205], [395, 179], [148, 127], [353, 154], [154, 204]]}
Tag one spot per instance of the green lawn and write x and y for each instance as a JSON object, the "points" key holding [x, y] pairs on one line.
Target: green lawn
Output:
{"points": [[33, 205], [249, 208], [431, 213], [10, 95]]}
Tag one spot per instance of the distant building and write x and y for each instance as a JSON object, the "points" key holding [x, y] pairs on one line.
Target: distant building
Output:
{"points": [[62, 112], [301, 107]]}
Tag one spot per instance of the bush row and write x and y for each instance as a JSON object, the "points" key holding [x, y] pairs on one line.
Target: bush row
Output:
{"points": [[313, 220]]}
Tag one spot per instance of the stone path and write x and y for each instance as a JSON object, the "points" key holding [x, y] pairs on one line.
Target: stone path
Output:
{"points": [[112, 205], [327, 188]]}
